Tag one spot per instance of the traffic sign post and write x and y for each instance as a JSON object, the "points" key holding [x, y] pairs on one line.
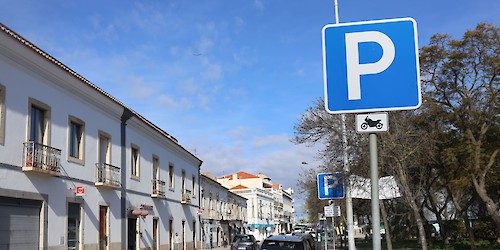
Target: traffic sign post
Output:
{"points": [[330, 186], [371, 66]]}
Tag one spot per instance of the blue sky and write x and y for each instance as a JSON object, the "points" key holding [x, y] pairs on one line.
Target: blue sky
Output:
{"points": [[227, 78]]}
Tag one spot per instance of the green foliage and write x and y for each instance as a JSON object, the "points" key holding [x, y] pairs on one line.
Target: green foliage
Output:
{"points": [[481, 244], [484, 228], [455, 229]]}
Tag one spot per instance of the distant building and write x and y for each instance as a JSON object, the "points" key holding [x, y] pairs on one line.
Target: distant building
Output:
{"points": [[269, 209], [79, 169], [223, 213]]}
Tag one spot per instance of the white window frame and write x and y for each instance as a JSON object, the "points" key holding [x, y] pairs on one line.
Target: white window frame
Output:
{"points": [[108, 151], [135, 161], [171, 176], [46, 126], [81, 147]]}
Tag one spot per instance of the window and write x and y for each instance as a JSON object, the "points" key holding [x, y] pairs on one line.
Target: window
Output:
{"points": [[75, 140], [156, 168], [183, 181], [171, 176], [193, 191], [39, 122], [134, 164], [2, 113], [104, 150]]}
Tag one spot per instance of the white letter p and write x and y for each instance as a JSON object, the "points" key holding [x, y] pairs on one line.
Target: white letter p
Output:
{"points": [[355, 69]]}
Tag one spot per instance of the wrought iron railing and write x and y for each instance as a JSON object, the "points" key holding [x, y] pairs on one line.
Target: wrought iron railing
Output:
{"points": [[41, 157], [158, 187], [108, 174]]}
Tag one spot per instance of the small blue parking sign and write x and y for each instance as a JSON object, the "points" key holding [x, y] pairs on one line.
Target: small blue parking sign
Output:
{"points": [[330, 186], [371, 66]]}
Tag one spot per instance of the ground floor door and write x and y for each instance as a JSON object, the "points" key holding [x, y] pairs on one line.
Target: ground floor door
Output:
{"points": [[132, 234], [103, 228], [19, 223], [155, 234], [73, 226]]}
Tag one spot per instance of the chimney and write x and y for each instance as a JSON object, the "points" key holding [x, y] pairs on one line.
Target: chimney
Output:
{"points": [[235, 176]]}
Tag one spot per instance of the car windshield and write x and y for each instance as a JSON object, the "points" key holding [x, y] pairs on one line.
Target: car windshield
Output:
{"points": [[282, 245], [243, 238]]}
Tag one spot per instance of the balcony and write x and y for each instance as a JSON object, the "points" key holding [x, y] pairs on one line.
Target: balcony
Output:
{"points": [[186, 196], [41, 159], [158, 189], [107, 175]]}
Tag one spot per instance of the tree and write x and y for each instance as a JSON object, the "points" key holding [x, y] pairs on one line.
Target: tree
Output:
{"points": [[461, 87], [405, 152]]}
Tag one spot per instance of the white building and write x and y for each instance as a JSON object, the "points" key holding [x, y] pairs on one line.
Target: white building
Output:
{"points": [[266, 207], [283, 209], [61, 135], [223, 213]]}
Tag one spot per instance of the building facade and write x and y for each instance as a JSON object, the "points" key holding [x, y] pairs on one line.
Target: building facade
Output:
{"points": [[223, 213], [79, 169], [269, 207]]}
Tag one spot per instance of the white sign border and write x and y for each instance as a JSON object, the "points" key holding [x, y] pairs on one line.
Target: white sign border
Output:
{"points": [[415, 35]]}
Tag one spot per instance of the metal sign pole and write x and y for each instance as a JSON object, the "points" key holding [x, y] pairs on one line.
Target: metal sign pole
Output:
{"points": [[334, 232], [348, 196], [375, 192]]}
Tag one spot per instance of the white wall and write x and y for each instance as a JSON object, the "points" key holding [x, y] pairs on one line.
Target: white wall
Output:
{"points": [[25, 74]]}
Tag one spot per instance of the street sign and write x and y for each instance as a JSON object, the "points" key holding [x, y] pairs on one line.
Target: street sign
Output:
{"points": [[328, 211], [371, 66], [80, 191], [331, 211], [372, 123], [330, 186]]}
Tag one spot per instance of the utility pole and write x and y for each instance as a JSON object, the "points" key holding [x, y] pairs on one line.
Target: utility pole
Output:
{"points": [[347, 174]]}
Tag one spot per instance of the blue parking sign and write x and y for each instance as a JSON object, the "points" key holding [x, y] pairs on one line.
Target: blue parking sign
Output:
{"points": [[371, 66], [330, 186]]}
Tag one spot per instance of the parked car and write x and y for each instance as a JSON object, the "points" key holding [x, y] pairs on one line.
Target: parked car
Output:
{"points": [[309, 238], [293, 242], [244, 242]]}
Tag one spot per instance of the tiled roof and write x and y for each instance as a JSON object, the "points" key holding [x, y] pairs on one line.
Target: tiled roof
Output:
{"points": [[238, 187], [51, 59], [241, 175]]}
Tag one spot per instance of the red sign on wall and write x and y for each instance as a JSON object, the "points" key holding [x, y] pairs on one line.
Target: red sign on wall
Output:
{"points": [[80, 191]]}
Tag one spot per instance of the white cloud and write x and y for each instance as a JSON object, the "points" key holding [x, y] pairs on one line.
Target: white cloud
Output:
{"points": [[238, 132], [239, 24], [213, 72], [167, 101], [299, 72], [258, 4], [138, 88], [272, 140]]}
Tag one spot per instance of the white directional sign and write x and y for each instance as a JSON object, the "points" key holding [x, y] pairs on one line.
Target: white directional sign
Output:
{"points": [[372, 123], [371, 66], [331, 211]]}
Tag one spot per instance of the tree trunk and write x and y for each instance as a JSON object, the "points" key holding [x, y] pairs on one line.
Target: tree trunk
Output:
{"points": [[490, 205], [437, 212], [413, 205], [472, 237], [388, 239]]}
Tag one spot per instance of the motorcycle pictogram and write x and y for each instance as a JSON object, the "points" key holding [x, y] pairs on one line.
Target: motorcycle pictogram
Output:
{"points": [[371, 123]]}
